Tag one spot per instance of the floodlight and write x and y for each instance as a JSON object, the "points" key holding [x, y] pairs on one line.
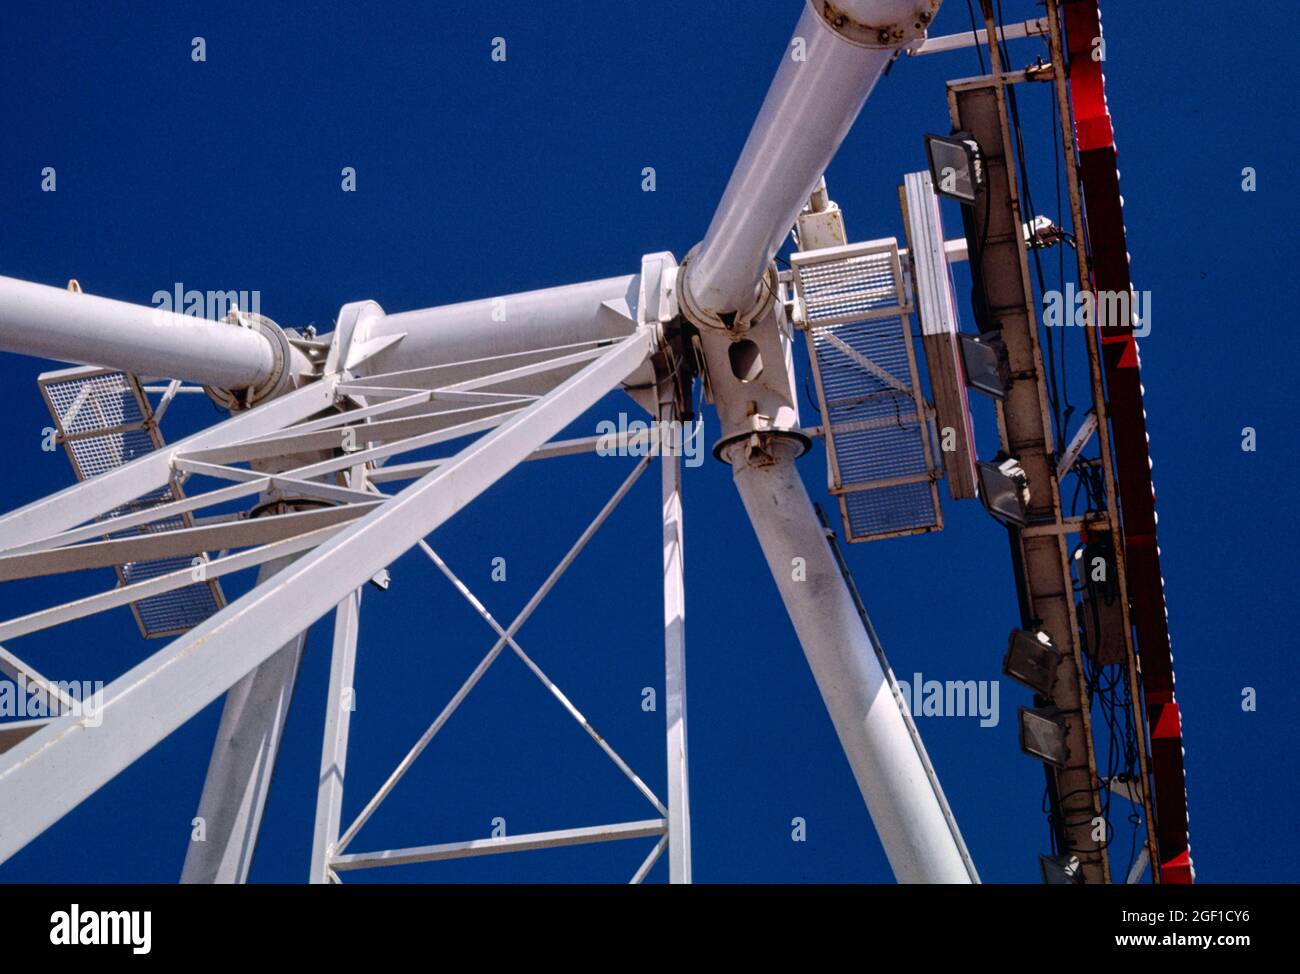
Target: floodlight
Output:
{"points": [[1003, 491], [985, 360], [956, 165], [1032, 658], [1060, 870], [1042, 735]]}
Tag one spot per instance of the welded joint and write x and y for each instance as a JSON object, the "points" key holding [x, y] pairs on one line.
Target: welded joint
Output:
{"points": [[906, 33]]}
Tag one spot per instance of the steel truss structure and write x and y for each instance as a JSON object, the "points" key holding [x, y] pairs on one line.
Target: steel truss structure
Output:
{"points": [[324, 461]]}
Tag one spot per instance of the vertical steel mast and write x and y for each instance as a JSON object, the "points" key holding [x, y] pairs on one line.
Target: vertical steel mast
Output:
{"points": [[835, 57]]}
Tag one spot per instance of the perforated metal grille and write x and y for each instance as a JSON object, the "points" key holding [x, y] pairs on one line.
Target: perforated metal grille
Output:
{"points": [[171, 612], [93, 455], [104, 421], [94, 402], [880, 453], [845, 288], [888, 510]]}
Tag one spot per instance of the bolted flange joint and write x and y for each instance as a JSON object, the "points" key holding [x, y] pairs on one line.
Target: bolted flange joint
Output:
{"points": [[276, 383], [733, 321], [905, 28]]}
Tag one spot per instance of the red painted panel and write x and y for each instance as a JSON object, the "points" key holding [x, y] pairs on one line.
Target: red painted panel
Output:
{"points": [[1107, 245]]}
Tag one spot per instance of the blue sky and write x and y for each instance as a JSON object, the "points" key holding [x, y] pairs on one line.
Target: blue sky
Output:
{"points": [[478, 178]]}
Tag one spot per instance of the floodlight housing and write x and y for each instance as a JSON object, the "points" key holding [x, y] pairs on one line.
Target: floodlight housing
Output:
{"points": [[1042, 735], [984, 358], [1060, 870], [1032, 659], [956, 166], [1004, 491]]}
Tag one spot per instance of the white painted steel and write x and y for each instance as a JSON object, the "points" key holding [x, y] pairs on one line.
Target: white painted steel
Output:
{"points": [[505, 325], [477, 674], [55, 323], [334, 747], [506, 843], [56, 768], [91, 498], [648, 863], [808, 111], [907, 813], [243, 762], [679, 802]]}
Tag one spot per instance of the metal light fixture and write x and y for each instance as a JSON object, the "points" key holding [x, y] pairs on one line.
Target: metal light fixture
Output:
{"points": [[984, 358], [1042, 735], [1060, 870], [1004, 491], [1032, 659], [956, 165]]}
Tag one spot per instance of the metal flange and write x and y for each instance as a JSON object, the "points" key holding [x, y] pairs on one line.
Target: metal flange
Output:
{"points": [[740, 320], [906, 28], [280, 378]]}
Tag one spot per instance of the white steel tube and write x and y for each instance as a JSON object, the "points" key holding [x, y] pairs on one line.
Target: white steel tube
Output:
{"points": [[820, 88], [907, 812], [243, 762], [506, 325], [67, 326], [334, 747], [679, 801]]}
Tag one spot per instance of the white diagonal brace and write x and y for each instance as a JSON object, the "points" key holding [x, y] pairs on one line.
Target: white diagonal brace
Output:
{"points": [[648, 863], [477, 674], [629, 443], [20, 672], [545, 680], [115, 525], [99, 495], [291, 441], [404, 446], [125, 594], [178, 543], [58, 767]]}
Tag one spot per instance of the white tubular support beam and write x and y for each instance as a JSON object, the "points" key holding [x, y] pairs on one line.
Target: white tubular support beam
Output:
{"points": [[58, 767], [243, 763], [505, 325], [54, 323], [679, 802], [334, 748], [891, 775], [825, 77]]}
